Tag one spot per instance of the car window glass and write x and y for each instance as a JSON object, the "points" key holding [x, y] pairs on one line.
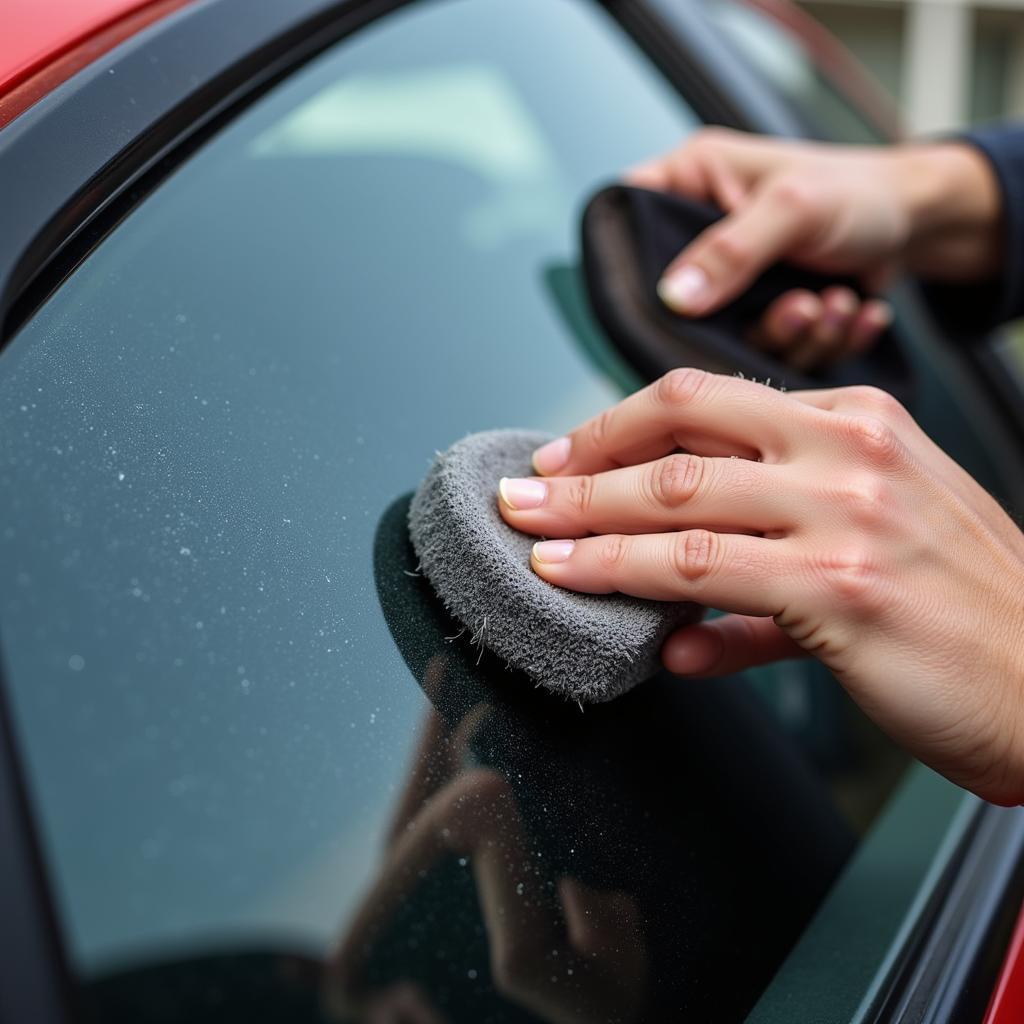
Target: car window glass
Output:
{"points": [[779, 55], [249, 734]]}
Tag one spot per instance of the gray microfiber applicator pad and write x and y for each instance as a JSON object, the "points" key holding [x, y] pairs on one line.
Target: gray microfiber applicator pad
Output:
{"points": [[590, 647]]}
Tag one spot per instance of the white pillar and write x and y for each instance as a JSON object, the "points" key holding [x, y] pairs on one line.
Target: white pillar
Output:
{"points": [[936, 64]]}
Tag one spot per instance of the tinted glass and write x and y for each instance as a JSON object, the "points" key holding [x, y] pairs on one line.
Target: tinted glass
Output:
{"points": [[787, 63], [247, 735]]}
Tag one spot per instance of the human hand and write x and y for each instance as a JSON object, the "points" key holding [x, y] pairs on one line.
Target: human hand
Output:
{"points": [[571, 956], [863, 211], [829, 525]]}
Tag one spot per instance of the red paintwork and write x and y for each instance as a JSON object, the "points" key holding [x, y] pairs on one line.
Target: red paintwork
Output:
{"points": [[1007, 1005], [44, 42]]}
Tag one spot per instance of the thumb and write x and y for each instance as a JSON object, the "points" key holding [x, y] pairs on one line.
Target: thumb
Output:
{"points": [[725, 645], [726, 257]]}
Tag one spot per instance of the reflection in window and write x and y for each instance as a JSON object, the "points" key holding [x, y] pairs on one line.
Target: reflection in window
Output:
{"points": [[468, 115], [203, 426]]}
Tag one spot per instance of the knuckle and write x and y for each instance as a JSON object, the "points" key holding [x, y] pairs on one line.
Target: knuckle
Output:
{"points": [[874, 441], [876, 402], [853, 578], [695, 553], [798, 195], [709, 139], [676, 479], [865, 501], [681, 386], [580, 495], [612, 552], [599, 429], [730, 249], [471, 806]]}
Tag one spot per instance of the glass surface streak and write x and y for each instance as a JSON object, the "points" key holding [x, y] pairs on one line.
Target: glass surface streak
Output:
{"points": [[246, 733]]}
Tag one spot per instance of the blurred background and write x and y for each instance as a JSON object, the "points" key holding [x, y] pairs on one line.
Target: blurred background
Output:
{"points": [[947, 63]]}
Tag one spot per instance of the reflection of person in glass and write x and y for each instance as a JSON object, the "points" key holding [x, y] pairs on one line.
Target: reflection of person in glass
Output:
{"points": [[616, 866], [573, 956]]}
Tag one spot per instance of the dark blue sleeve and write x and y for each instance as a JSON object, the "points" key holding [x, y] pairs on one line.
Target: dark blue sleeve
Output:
{"points": [[1004, 147], [971, 309]]}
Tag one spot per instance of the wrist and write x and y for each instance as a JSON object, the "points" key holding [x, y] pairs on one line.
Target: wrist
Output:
{"points": [[954, 209]]}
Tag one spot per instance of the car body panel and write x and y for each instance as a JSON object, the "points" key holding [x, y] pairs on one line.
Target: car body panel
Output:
{"points": [[45, 43], [1007, 1006]]}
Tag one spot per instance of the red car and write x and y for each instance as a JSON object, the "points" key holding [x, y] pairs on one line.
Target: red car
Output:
{"points": [[259, 259]]}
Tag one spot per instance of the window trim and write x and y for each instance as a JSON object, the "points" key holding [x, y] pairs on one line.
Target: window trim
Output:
{"points": [[150, 103], [35, 977]]}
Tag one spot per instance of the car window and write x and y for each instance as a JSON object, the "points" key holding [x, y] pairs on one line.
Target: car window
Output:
{"points": [[250, 734], [779, 54]]}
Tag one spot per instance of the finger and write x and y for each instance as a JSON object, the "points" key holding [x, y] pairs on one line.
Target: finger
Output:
{"points": [[686, 409], [873, 320], [730, 571], [382, 1011], [652, 174], [415, 1005], [673, 493], [402, 1003], [726, 257], [787, 321], [430, 767], [881, 277], [718, 164], [598, 922], [467, 730], [857, 400], [724, 187], [726, 645], [476, 807], [840, 306], [691, 171], [604, 930]]}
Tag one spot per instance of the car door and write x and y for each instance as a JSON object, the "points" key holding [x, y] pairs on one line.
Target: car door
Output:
{"points": [[267, 778]]}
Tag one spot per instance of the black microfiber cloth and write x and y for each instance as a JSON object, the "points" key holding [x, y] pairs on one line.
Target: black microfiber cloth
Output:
{"points": [[630, 235], [589, 647]]}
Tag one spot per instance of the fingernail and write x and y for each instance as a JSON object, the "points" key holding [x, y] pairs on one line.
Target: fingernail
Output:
{"points": [[880, 316], [684, 290], [553, 550], [552, 457], [802, 313], [839, 309], [846, 303], [520, 493]]}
